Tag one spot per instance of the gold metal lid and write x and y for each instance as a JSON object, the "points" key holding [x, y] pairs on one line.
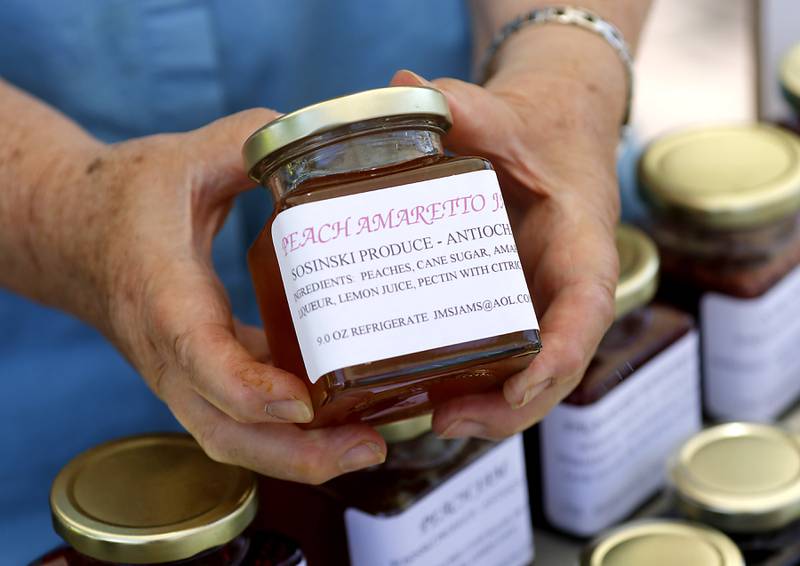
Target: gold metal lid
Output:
{"points": [[790, 71], [150, 499], [638, 270], [407, 429], [662, 543], [336, 112], [739, 477], [727, 177]]}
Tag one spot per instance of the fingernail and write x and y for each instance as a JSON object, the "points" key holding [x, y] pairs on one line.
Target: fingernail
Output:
{"points": [[463, 429], [291, 410], [361, 456], [420, 79], [532, 392]]}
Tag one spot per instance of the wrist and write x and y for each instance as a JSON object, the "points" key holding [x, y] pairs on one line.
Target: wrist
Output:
{"points": [[60, 234], [579, 66]]}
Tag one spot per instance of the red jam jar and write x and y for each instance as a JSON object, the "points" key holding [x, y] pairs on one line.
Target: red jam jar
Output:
{"points": [[387, 275], [158, 499], [724, 205], [433, 501], [603, 449]]}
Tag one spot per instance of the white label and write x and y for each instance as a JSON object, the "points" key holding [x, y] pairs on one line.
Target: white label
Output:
{"points": [[601, 461], [405, 269], [479, 516], [751, 366]]}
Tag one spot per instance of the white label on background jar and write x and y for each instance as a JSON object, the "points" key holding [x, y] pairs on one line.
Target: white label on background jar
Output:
{"points": [[400, 270], [601, 461], [751, 366], [479, 516]]}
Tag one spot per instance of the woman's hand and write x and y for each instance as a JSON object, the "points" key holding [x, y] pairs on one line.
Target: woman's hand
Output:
{"points": [[555, 160], [131, 253]]}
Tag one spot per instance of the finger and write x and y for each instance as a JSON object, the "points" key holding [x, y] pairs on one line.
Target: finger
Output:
{"points": [[488, 415], [277, 450], [474, 109], [192, 318], [487, 126], [572, 327], [253, 339], [217, 148], [526, 398]]}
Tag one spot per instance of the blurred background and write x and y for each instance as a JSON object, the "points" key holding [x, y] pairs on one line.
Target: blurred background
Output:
{"points": [[705, 61]]}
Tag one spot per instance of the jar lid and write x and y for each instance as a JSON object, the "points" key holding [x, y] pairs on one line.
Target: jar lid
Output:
{"points": [[337, 112], [661, 542], [739, 477], [790, 73], [638, 270], [727, 177], [150, 499], [407, 429]]}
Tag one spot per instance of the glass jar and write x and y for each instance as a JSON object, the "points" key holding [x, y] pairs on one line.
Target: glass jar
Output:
{"points": [[433, 500], [602, 450], [790, 83], [158, 499], [388, 275], [661, 542], [724, 204], [743, 479]]}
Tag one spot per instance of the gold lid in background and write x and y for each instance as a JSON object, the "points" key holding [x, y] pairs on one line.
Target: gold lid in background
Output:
{"points": [[739, 477], [407, 429], [790, 71], [727, 177], [638, 270], [150, 499], [662, 543], [336, 112]]}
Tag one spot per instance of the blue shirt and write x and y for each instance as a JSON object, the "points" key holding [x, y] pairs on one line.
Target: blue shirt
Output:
{"points": [[125, 69]]}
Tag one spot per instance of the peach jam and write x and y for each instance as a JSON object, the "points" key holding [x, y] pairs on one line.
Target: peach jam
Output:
{"points": [[387, 275]]}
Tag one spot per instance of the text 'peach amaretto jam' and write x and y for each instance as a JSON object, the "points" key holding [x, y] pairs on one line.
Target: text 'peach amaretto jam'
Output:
{"points": [[388, 274]]}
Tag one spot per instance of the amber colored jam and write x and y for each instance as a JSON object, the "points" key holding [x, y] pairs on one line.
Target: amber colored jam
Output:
{"points": [[630, 343], [314, 516], [253, 548], [391, 389], [744, 264]]}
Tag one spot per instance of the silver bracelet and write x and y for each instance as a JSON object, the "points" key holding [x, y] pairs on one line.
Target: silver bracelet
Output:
{"points": [[569, 16]]}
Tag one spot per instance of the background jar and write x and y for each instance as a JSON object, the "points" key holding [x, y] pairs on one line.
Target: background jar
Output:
{"points": [[602, 450], [158, 499], [360, 327], [433, 498], [744, 479], [723, 210], [660, 542]]}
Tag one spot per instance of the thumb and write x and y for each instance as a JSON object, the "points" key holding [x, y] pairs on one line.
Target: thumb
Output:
{"points": [[480, 121], [217, 149]]}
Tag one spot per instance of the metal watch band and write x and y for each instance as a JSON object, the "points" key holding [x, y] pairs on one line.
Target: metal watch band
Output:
{"points": [[569, 16]]}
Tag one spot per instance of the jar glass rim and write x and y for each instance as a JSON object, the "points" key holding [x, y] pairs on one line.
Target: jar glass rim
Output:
{"points": [[383, 103]]}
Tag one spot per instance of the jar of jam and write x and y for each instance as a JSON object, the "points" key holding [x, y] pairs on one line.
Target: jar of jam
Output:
{"points": [[432, 501], [661, 542], [790, 82], [744, 479], [388, 275], [158, 499], [602, 450], [724, 205]]}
